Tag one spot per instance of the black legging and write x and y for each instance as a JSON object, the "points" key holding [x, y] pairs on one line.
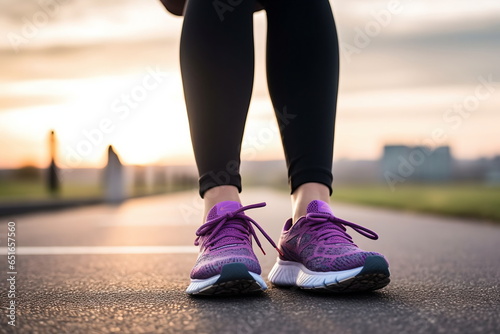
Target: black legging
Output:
{"points": [[217, 64]]}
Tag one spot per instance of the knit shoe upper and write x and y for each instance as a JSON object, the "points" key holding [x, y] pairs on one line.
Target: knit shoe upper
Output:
{"points": [[320, 242], [226, 237]]}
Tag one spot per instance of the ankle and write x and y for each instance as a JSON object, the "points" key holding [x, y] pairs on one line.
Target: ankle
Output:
{"points": [[219, 194], [306, 193]]}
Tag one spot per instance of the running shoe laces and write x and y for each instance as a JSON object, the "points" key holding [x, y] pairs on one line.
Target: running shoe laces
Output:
{"points": [[332, 229], [237, 227]]}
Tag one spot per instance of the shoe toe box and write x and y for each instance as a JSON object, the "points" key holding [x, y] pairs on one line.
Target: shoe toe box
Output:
{"points": [[339, 262], [210, 264]]}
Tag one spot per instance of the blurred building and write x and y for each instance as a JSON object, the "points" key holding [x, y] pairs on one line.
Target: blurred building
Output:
{"points": [[417, 163], [493, 171]]}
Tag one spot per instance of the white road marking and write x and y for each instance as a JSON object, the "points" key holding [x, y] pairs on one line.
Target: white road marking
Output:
{"points": [[63, 250]]}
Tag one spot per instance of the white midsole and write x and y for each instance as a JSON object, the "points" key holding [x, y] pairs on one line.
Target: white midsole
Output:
{"points": [[199, 285], [289, 273]]}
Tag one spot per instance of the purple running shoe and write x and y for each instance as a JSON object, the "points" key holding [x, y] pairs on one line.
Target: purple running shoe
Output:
{"points": [[226, 263], [317, 253]]}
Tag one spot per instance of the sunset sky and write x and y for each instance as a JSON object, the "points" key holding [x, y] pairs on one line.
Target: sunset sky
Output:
{"points": [[106, 72]]}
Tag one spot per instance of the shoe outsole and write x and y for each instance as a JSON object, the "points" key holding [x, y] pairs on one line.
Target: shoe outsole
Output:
{"points": [[372, 276], [360, 283], [234, 279]]}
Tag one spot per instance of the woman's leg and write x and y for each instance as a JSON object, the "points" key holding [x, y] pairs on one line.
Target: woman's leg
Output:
{"points": [[217, 64], [303, 71], [303, 65], [306, 193]]}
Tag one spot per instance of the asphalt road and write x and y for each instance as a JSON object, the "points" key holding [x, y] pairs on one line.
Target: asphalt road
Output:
{"points": [[124, 269]]}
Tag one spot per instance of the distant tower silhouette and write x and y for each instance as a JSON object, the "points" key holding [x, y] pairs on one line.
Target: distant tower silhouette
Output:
{"points": [[52, 179], [113, 178]]}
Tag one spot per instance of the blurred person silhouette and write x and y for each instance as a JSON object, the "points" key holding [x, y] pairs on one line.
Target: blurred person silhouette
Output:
{"points": [[217, 65]]}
